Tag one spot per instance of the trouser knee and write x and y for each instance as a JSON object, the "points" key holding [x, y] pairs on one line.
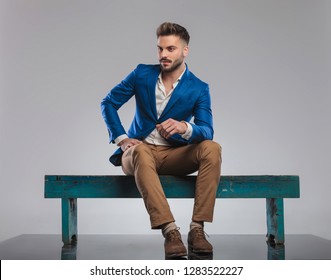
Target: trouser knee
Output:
{"points": [[211, 149]]}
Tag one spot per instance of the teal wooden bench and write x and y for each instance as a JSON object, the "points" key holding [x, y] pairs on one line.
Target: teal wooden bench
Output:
{"points": [[273, 188]]}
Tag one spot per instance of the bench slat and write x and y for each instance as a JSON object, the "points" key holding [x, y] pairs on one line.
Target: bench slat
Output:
{"points": [[121, 186]]}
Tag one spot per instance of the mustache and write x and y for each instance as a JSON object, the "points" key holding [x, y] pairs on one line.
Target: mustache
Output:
{"points": [[165, 60]]}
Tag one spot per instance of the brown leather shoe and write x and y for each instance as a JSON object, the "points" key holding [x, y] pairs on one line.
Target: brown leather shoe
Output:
{"points": [[173, 245], [197, 242]]}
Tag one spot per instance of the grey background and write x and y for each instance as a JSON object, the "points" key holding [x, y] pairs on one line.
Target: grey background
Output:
{"points": [[268, 65]]}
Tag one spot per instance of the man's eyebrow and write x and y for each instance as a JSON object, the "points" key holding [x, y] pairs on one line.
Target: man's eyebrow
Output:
{"points": [[167, 47]]}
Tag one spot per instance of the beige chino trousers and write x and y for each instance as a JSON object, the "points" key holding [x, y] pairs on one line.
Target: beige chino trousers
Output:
{"points": [[145, 162]]}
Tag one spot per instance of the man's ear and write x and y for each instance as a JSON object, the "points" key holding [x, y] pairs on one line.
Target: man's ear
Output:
{"points": [[186, 51]]}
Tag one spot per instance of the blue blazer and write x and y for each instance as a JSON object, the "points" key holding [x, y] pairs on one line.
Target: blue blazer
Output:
{"points": [[190, 99]]}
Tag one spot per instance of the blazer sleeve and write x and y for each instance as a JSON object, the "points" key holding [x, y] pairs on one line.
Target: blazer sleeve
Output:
{"points": [[119, 95], [203, 118]]}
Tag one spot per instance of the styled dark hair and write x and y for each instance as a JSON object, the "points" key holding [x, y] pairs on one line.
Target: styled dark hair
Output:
{"points": [[168, 28]]}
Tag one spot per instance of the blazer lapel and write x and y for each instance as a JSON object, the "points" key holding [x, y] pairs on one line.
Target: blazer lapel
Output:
{"points": [[179, 91], [151, 84]]}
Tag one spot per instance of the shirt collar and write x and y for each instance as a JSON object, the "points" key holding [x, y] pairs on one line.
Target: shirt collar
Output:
{"points": [[177, 81]]}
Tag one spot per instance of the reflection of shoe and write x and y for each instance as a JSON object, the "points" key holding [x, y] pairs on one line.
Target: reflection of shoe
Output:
{"points": [[197, 242], [173, 245]]}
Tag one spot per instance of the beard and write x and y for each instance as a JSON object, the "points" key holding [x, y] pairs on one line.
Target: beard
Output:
{"points": [[176, 64]]}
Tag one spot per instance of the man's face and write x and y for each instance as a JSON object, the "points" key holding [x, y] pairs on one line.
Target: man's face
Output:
{"points": [[171, 52]]}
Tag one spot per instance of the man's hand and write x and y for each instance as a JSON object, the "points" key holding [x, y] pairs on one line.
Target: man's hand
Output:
{"points": [[128, 143], [171, 127]]}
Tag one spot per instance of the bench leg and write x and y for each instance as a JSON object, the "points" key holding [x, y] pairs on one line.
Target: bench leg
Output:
{"points": [[275, 221], [69, 252], [69, 220], [276, 252]]}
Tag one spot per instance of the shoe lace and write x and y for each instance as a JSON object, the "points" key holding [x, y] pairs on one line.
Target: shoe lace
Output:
{"points": [[200, 232], [173, 234]]}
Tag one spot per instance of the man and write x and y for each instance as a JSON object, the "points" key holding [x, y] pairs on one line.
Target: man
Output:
{"points": [[162, 140]]}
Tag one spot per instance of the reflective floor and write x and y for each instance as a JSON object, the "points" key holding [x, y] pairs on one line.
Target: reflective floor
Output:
{"points": [[149, 247]]}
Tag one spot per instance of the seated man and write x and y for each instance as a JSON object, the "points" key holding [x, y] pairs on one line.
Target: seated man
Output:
{"points": [[162, 140]]}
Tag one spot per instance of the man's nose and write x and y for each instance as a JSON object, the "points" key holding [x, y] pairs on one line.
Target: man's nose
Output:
{"points": [[163, 54]]}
